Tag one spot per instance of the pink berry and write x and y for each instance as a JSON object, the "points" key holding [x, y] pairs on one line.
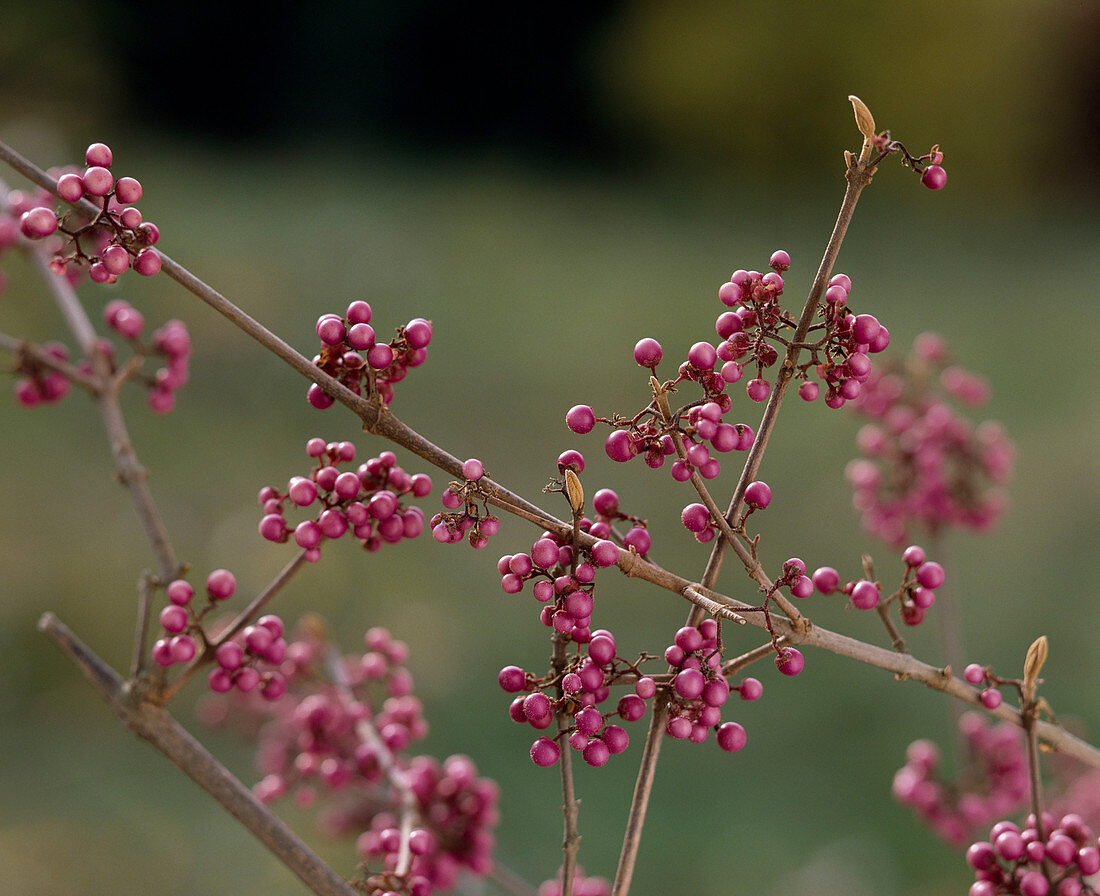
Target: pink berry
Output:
{"points": [[117, 261], [702, 356], [991, 698], [780, 261], [695, 517], [751, 689], [99, 154], [758, 389], [934, 177], [38, 223], [70, 187], [473, 469], [758, 495], [930, 575], [173, 619], [789, 660], [647, 353], [98, 181], [220, 584], [179, 592], [148, 262], [808, 391], [580, 419], [826, 579], [127, 190], [865, 595], [974, 673], [731, 737], [545, 752]]}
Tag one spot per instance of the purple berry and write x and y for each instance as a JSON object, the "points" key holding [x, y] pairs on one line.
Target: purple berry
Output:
{"points": [[865, 595], [758, 495], [545, 752], [934, 177], [702, 356], [789, 660], [731, 737], [974, 673], [220, 584], [930, 575], [511, 679], [580, 419], [695, 517], [647, 353], [751, 689], [473, 469], [758, 389]]}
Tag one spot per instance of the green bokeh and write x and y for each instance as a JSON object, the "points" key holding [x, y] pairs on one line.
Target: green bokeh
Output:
{"points": [[538, 281]]}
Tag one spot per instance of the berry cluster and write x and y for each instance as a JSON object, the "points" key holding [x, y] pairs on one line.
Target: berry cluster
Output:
{"points": [[924, 464], [749, 334], [1058, 858], [182, 622], [914, 595], [122, 239], [994, 783], [338, 739], [700, 690], [365, 502], [172, 341], [466, 513], [697, 518], [344, 339], [39, 384]]}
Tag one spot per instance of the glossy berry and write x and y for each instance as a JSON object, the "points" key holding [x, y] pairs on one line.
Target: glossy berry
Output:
{"points": [[934, 177], [758, 495], [789, 660], [580, 419], [647, 353]]}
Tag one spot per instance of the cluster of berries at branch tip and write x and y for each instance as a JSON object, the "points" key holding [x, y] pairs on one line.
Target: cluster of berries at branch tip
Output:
{"points": [[914, 595], [352, 354], [466, 512], [993, 783], [1058, 857], [338, 740], [365, 502], [924, 466], [114, 240], [248, 661]]}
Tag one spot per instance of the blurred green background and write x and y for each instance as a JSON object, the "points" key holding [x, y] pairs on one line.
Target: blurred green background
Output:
{"points": [[547, 189]]}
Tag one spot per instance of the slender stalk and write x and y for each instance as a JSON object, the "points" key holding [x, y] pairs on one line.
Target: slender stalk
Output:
{"points": [[639, 803], [130, 472], [153, 723]]}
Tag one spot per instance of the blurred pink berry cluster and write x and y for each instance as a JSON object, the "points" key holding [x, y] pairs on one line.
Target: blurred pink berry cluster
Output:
{"points": [[582, 885], [993, 784], [351, 353], [338, 740], [1060, 858], [115, 240], [924, 465], [365, 502]]}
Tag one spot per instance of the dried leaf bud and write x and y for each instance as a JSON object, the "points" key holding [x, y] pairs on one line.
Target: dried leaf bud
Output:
{"points": [[865, 121], [573, 491], [1033, 664]]}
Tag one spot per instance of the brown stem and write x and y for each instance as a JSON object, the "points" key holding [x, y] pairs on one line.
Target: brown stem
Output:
{"points": [[639, 802], [130, 472], [154, 724]]}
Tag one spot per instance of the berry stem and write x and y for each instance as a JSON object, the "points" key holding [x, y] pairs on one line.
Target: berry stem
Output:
{"points": [[146, 587], [130, 472], [639, 802], [154, 724], [28, 352]]}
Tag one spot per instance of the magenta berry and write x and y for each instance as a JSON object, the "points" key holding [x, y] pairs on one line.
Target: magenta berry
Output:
{"points": [[758, 495], [731, 737], [789, 660], [580, 419], [545, 752], [934, 177], [37, 223], [647, 353]]}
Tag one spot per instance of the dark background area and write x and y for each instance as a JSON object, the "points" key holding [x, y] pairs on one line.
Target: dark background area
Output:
{"points": [[547, 189]]}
